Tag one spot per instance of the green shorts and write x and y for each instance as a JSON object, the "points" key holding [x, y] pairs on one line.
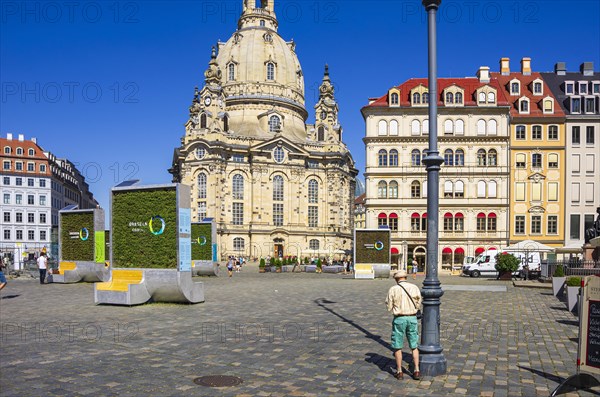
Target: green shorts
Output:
{"points": [[405, 325]]}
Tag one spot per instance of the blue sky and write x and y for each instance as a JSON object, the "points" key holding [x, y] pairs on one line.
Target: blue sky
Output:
{"points": [[107, 84]]}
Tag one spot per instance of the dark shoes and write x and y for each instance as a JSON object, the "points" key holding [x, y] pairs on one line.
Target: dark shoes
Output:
{"points": [[417, 375], [399, 375]]}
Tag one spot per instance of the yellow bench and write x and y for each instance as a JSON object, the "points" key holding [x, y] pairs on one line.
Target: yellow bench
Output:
{"points": [[121, 279], [64, 266]]}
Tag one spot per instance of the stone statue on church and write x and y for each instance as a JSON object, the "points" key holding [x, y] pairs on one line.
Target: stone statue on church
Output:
{"points": [[593, 231]]}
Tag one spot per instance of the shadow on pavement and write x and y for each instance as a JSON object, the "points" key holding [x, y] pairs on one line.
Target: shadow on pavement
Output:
{"points": [[554, 378], [10, 296], [569, 322]]}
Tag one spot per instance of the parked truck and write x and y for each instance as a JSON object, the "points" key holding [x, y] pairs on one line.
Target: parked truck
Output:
{"points": [[485, 264]]}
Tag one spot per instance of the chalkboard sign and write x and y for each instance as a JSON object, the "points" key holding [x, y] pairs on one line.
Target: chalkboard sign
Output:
{"points": [[589, 326]]}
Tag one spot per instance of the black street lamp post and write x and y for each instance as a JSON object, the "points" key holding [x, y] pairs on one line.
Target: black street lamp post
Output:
{"points": [[432, 360]]}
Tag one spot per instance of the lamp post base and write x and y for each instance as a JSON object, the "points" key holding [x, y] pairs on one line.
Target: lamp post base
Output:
{"points": [[432, 364]]}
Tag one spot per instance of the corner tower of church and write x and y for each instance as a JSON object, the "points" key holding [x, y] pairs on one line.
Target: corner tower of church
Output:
{"points": [[274, 184]]}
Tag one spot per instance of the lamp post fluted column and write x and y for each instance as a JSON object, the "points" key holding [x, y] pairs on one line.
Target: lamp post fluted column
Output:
{"points": [[432, 361]]}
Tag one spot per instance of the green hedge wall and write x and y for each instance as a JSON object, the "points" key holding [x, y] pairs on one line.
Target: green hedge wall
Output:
{"points": [[365, 240], [201, 252], [133, 243], [75, 249]]}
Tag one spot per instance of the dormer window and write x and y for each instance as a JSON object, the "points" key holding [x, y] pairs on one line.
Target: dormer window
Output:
{"points": [[482, 97], [548, 105], [425, 98], [6, 149], [19, 151], [31, 152], [394, 99], [270, 71], [538, 88], [583, 87], [590, 105], [576, 105], [231, 72], [596, 87], [491, 97], [515, 88], [569, 88], [416, 98], [274, 123], [458, 97], [449, 97], [523, 105]]}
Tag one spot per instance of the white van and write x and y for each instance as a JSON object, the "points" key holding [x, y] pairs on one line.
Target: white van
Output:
{"points": [[485, 264]]}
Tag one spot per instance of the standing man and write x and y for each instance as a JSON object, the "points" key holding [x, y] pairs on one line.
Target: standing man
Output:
{"points": [[42, 262], [415, 268], [403, 300], [3, 266]]}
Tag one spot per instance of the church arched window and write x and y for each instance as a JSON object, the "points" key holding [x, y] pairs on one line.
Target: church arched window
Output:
{"points": [[321, 134], [274, 123], [278, 188], [203, 120], [202, 185], [270, 71], [238, 187], [313, 191], [231, 72], [225, 123]]}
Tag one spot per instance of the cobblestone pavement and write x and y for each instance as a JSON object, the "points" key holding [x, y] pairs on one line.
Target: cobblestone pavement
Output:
{"points": [[283, 334]]}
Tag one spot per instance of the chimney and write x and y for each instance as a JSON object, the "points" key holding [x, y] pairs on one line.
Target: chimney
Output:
{"points": [[9, 136], [483, 74], [505, 66], [587, 68], [526, 66], [560, 68], [34, 140], [21, 137]]}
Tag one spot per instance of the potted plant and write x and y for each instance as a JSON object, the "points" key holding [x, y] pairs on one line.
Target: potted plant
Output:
{"points": [[319, 265], [506, 265], [262, 265], [272, 264], [558, 280], [573, 285], [278, 265]]}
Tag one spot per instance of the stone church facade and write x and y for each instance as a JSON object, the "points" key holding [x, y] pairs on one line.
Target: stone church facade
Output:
{"points": [[275, 185]]}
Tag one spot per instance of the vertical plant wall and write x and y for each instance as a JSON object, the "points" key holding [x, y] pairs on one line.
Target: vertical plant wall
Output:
{"points": [[144, 228], [202, 241], [77, 237]]}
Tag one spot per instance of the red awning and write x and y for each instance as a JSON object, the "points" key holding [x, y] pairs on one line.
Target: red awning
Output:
{"points": [[459, 251], [459, 215], [448, 215], [447, 250], [382, 215], [424, 215], [492, 215], [481, 215], [479, 250], [393, 215], [394, 250], [492, 249], [415, 215]]}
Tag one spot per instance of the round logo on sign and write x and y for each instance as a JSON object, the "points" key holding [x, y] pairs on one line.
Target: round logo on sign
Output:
{"points": [[84, 234], [378, 245], [153, 224]]}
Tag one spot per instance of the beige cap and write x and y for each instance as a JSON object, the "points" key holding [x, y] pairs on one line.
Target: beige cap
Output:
{"points": [[400, 274]]}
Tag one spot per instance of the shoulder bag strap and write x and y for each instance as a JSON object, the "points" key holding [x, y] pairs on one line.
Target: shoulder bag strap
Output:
{"points": [[410, 297]]}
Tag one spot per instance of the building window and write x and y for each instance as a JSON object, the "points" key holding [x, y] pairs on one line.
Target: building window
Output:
{"points": [[313, 216], [31, 235], [262, 23], [425, 98], [481, 97], [492, 157], [395, 99], [202, 185], [481, 222], [6, 234], [19, 151], [231, 70], [553, 132], [278, 188], [30, 182], [30, 199], [6, 165], [321, 134], [203, 120], [448, 222], [415, 189], [576, 134], [19, 217], [575, 105], [42, 235], [519, 224], [449, 98], [201, 210], [415, 158], [393, 158], [30, 167], [42, 218], [30, 218], [552, 224], [536, 224], [313, 244], [480, 127], [514, 88], [238, 244], [42, 183], [459, 222], [481, 189], [536, 132], [382, 158], [520, 132], [382, 190], [459, 127], [481, 157], [393, 190], [238, 158], [43, 200], [524, 106], [7, 217], [19, 181], [274, 124], [6, 180], [448, 127], [7, 150], [382, 220], [313, 191], [459, 157], [458, 97], [18, 199], [596, 89], [416, 98], [536, 160], [238, 187], [382, 128], [589, 135], [18, 166], [459, 189], [278, 214], [448, 157], [225, 123], [537, 88], [569, 88], [270, 71], [583, 87], [19, 235], [415, 222], [238, 214], [553, 160], [279, 155], [548, 106], [491, 222]]}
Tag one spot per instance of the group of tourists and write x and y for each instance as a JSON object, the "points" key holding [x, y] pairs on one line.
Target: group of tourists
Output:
{"points": [[234, 264]]}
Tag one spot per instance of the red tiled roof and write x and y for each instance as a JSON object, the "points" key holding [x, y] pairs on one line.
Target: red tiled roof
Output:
{"points": [[535, 101], [468, 84], [37, 158], [360, 199]]}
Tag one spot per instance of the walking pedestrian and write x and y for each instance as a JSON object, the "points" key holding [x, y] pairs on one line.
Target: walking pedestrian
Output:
{"points": [[3, 266], [42, 262], [230, 266], [415, 268], [403, 300]]}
